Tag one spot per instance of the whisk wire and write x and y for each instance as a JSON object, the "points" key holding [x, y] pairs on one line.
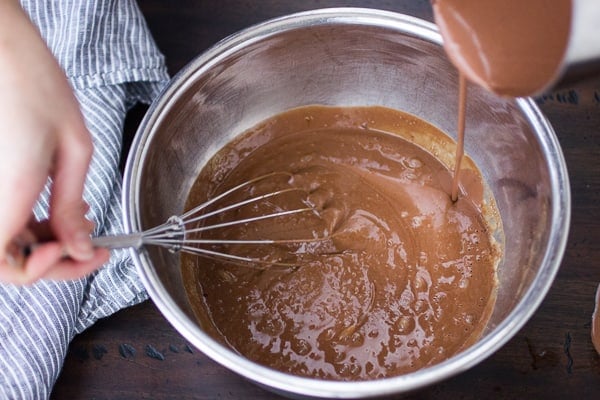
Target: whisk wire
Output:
{"points": [[248, 220], [186, 216], [175, 233], [234, 258], [235, 205]]}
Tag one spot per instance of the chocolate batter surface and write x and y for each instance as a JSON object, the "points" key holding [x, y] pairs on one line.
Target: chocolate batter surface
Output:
{"points": [[407, 277]]}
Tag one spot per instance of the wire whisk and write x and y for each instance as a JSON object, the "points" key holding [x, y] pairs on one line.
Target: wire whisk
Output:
{"points": [[179, 233]]}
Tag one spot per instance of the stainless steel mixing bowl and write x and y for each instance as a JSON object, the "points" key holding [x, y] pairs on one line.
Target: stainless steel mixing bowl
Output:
{"points": [[348, 57]]}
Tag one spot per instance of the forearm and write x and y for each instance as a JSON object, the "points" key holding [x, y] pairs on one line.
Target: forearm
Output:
{"points": [[13, 23]]}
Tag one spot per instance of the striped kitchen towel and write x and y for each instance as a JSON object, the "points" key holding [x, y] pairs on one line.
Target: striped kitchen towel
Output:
{"points": [[112, 62]]}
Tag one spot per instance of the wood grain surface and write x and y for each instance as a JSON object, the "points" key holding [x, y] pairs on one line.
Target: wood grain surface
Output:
{"points": [[136, 354]]}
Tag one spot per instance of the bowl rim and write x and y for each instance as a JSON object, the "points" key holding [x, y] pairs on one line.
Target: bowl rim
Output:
{"points": [[290, 384]]}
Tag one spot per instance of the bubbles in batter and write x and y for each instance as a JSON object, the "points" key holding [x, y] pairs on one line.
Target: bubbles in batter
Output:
{"points": [[407, 278]]}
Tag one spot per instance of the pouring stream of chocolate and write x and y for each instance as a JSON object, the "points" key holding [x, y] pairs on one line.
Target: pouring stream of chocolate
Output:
{"points": [[460, 131]]}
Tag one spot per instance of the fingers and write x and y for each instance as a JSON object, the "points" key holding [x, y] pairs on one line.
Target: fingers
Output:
{"points": [[48, 262], [36, 265], [67, 209], [68, 269], [46, 258]]}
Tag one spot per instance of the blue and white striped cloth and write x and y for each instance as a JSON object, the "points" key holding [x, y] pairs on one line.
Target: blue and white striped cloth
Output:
{"points": [[112, 62]]}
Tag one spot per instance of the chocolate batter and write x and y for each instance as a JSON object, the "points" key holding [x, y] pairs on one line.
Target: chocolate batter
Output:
{"points": [[406, 278], [511, 47]]}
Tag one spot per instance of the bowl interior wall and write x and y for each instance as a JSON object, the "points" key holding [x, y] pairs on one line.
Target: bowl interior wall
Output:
{"points": [[347, 65]]}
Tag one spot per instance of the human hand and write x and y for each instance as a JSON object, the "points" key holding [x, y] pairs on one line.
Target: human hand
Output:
{"points": [[42, 134]]}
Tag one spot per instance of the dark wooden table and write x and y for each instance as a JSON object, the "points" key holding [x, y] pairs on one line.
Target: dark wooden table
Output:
{"points": [[552, 357]]}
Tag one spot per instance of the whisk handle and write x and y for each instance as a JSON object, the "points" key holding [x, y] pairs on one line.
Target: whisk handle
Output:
{"points": [[18, 250], [119, 241]]}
